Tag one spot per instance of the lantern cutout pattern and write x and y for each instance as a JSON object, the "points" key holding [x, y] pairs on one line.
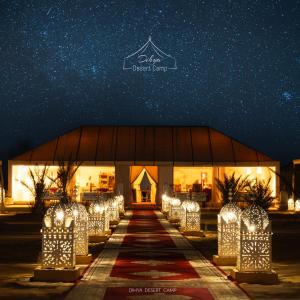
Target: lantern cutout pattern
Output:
{"points": [[175, 209], [254, 241], [97, 218], [112, 210], [165, 204], [78, 213], [291, 204], [121, 204], [190, 218], [297, 205], [228, 227], [58, 239]]}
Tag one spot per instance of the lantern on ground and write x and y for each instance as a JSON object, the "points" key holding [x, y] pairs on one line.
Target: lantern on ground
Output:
{"points": [[121, 204], [113, 211], [165, 204], [58, 239], [190, 218], [228, 227], [174, 215], [97, 223], [297, 205], [78, 213], [291, 204], [254, 253]]}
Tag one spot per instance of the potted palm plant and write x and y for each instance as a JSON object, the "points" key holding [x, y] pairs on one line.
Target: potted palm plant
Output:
{"points": [[232, 184], [65, 174], [37, 187], [260, 193]]}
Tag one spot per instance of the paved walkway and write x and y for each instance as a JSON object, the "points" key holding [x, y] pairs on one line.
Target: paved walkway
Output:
{"points": [[147, 258]]}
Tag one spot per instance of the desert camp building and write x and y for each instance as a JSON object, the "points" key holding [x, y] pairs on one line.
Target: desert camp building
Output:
{"points": [[142, 161]]}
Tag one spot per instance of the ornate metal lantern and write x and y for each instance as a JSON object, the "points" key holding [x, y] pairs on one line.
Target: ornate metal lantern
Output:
{"points": [[78, 213], [228, 227], [113, 210], [291, 204], [175, 210], [98, 224], [121, 204], [254, 241], [165, 203], [58, 239], [190, 219], [297, 205]]}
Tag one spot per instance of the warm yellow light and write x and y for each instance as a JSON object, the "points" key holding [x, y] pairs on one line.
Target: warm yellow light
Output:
{"points": [[291, 204], [297, 205], [248, 171], [259, 170], [60, 215], [252, 228], [75, 212]]}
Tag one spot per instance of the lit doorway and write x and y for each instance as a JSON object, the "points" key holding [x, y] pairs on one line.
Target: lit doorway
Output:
{"points": [[143, 181]]}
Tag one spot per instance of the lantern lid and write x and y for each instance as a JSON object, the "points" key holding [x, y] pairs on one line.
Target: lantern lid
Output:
{"points": [[191, 206], [230, 212], [255, 218]]}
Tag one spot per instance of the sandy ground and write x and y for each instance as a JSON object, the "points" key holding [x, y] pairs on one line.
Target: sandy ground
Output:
{"points": [[286, 257], [20, 244]]}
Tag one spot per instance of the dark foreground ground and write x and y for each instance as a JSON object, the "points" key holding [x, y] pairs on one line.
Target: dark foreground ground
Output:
{"points": [[20, 244]]}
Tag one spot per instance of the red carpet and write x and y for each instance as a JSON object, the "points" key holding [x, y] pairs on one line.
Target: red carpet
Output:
{"points": [[152, 259]]}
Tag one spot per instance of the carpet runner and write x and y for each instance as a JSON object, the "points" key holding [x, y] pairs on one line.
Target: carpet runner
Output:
{"points": [[147, 258]]}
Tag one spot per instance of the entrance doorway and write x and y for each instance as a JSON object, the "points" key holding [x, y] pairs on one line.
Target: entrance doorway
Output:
{"points": [[143, 181]]}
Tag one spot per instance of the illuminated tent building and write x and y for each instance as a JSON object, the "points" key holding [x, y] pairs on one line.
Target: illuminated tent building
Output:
{"points": [[140, 161]]}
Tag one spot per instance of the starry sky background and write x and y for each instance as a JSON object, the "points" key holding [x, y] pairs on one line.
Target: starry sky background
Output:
{"points": [[238, 69]]}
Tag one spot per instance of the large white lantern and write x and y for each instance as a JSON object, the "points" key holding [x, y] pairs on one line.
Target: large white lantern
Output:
{"points": [[175, 210], [58, 239], [297, 205], [78, 213], [190, 219], [228, 228], [97, 219], [291, 204], [254, 241]]}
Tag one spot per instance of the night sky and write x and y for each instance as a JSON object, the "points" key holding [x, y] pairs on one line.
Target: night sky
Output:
{"points": [[238, 69]]}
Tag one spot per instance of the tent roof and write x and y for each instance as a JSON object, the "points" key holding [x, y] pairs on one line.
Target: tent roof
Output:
{"points": [[175, 144]]}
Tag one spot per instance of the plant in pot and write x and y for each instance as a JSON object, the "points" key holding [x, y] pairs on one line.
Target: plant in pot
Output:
{"points": [[260, 193], [38, 186], [232, 184], [65, 174]]}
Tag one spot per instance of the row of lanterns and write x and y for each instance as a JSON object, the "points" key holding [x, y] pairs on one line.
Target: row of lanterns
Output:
{"points": [[67, 228], [186, 213], [244, 237]]}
